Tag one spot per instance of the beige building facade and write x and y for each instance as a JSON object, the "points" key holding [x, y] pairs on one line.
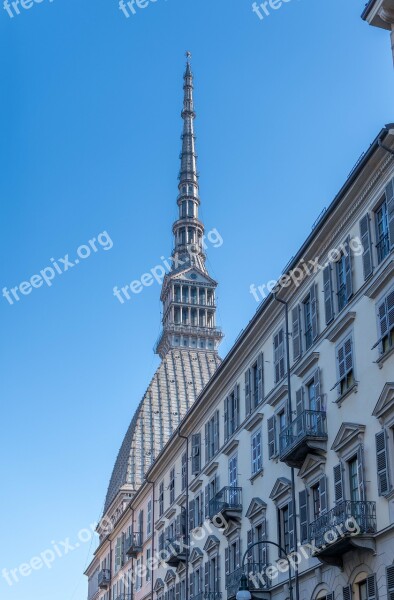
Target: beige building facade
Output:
{"points": [[380, 13]]}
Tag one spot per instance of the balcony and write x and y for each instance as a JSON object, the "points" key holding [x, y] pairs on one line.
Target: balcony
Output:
{"points": [[306, 434], [258, 580], [104, 579], [227, 503], [347, 526], [176, 551], [133, 545]]}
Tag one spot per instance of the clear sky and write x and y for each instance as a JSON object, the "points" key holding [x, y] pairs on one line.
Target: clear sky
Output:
{"points": [[90, 122]]}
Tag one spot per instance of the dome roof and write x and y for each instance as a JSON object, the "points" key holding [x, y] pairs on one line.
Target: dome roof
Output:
{"points": [[179, 379]]}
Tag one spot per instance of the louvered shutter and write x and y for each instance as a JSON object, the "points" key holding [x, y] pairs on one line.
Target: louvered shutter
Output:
{"points": [[201, 513], [390, 211], [191, 585], [226, 427], [191, 515], [348, 270], [264, 548], [249, 537], [317, 384], [207, 456], [238, 553], [236, 405], [260, 377], [272, 449], [196, 453], [338, 483], [372, 591], [390, 582], [291, 525], [323, 494], [217, 574], [347, 592], [177, 591], [365, 234], [330, 596], [296, 319], [304, 518], [206, 577], [248, 405], [383, 320], [227, 560], [276, 358], [382, 463], [328, 294], [216, 431], [207, 499], [390, 310], [300, 401], [314, 312], [361, 473]]}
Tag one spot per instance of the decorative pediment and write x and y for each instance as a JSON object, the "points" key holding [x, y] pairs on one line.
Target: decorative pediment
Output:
{"points": [[159, 585], [196, 555], [181, 568], [193, 275], [312, 465], [348, 434], [256, 507], [385, 403], [170, 576], [233, 527], [281, 488], [211, 544]]}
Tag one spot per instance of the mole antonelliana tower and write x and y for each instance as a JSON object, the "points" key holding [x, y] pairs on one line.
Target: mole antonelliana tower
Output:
{"points": [[189, 339]]}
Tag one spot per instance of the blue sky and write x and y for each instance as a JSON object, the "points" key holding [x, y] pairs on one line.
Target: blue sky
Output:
{"points": [[90, 121]]}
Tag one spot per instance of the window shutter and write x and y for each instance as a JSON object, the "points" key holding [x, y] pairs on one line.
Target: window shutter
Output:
{"points": [[300, 402], [216, 431], [360, 472], [317, 384], [227, 561], [217, 574], [330, 596], [236, 405], [338, 483], [191, 515], [238, 553], [328, 294], [291, 525], [206, 576], [207, 499], [260, 377], [191, 585], [314, 312], [348, 270], [178, 526], [390, 309], [196, 453], [365, 234], [347, 592], [304, 517], [323, 494], [250, 550], [248, 404], [390, 211], [390, 582], [297, 349], [382, 463], [201, 510], [207, 456], [383, 320], [177, 591], [272, 450], [372, 587], [226, 427]]}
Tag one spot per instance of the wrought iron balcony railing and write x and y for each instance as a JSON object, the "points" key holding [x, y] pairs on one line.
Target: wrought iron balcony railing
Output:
{"points": [[383, 247], [133, 544], [176, 550], [356, 518], [104, 578], [309, 425], [229, 499]]}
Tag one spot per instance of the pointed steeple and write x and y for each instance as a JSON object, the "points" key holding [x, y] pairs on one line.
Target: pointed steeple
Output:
{"points": [[188, 294]]}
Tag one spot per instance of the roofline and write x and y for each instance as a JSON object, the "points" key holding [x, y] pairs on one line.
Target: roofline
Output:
{"points": [[291, 265], [367, 9]]}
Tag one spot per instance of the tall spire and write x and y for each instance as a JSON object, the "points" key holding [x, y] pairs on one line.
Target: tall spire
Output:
{"points": [[188, 294]]}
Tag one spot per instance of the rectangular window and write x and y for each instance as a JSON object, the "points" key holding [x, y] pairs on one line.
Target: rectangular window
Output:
{"points": [[172, 486], [340, 267], [149, 518], [255, 384], [386, 323], [284, 528], [196, 453], [138, 581], [231, 412], [382, 232], [148, 569], [345, 366], [279, 355], [233, 471], [256, 453], [316, 494], [161, 499], [353, 480], [212, 437]]}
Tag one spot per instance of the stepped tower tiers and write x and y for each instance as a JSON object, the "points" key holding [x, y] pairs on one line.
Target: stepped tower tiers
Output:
{"points": [[188, 294], [189, 340]]}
